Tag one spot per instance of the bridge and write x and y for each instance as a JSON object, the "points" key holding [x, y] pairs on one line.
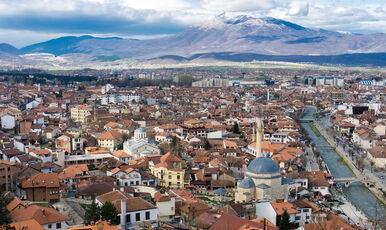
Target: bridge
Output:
{"points": [[306, 120], [347, 181]]}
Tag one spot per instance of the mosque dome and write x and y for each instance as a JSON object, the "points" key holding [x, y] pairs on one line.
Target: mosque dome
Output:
{"points": [[246, 183], [263, 165]]}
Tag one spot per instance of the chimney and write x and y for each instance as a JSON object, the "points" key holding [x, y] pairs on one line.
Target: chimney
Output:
{"points": [[44, 212], [123, 214]]}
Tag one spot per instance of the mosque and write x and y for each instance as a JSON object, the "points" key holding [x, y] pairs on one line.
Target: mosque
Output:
{"points": [[263, 179]]}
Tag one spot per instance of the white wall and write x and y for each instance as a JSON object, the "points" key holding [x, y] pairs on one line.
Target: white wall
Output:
{"points": [[166, 208], [53, 226], [264, 209], [8, 122]]}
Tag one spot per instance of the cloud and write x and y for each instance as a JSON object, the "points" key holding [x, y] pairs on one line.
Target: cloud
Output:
{"points": [[159, 17], [238, 5], [298, 8]]}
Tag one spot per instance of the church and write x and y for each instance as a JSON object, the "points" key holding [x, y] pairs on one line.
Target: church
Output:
{"points": [[263, 179], [140, 146]]}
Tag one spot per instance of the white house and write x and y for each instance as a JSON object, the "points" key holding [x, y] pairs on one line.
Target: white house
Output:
{"points": [[166, 205], [128, 177], [364, 138], [32, 104], [132, 211], [135, 211], [273, 211], [8, 122]]}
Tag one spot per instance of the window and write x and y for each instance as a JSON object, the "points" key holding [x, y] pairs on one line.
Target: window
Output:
{"points": [[138, 216], [128, 218], [170, 183], [49, 226], [58, 225], [178, 177], [147, 214], [297, 217], [170, 177]]}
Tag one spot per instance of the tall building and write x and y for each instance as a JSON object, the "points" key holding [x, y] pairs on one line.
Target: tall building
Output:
{"points": [[80, 112]]}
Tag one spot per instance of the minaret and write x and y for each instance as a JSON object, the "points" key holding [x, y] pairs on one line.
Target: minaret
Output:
{"points": [[267, 94], [259, 132]]}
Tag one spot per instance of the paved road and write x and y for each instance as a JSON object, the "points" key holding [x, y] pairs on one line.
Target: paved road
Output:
{"points": [[312, 164]]}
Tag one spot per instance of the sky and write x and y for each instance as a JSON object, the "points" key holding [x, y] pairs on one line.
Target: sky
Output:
{"points": [[24, 22]]}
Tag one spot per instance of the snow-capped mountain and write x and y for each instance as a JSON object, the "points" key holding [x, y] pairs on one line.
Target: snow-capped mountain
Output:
{"points": [[236, 35]]}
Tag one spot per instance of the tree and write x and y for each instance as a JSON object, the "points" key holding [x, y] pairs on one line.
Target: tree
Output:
{"points": [[285, 221], [125, 137], [4, 213], [207, 145], [184, 80], [108, 212], [236, 128], [361, 163], [93, 213]]}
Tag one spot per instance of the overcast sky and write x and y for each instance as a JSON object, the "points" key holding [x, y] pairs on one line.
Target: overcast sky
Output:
{"points": [[23, 22]]}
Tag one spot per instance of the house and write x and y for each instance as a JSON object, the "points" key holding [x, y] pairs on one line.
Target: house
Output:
{"points": [[132, 211], [51, 132], [333, 222], [191, 209], [230, 222], [79, 113], [12, 170], [8, 121], [305, 210], [26, 224], [273, 211], [166, 204], [128, 177], [377, 154], [16, 203], [110, 140], [74, 174], [49, 218], [122, 156], [99, 225], [317, 182], [364, 138], [42, 187], [169, 172]]}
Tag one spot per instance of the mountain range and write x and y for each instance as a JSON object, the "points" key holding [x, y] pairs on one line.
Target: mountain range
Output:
{"points": [[240, 38]]}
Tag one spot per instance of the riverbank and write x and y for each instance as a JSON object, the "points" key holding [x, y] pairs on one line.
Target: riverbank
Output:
{"points": [[376, 190]]}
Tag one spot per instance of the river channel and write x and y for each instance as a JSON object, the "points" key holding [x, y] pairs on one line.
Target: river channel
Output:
{"points": [[357, 193]]}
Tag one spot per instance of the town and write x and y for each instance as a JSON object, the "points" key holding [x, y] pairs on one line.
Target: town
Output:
{"points": [[193, 148]]}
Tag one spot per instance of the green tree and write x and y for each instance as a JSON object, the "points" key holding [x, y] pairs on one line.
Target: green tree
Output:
{"points": [[207, 145], [4, 213], [285, 221], [93, 213], [236, 128], [108, 212], [184, 80]]}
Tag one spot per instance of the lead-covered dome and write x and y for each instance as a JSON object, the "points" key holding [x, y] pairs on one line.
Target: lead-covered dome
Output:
{"points": [[263, 165], [247, 183]]}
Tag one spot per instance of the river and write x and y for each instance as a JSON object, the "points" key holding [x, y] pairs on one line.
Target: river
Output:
{"points": [[357, 193]]}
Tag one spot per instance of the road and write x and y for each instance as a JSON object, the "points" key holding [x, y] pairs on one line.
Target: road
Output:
{"points": [[312, 164]]}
